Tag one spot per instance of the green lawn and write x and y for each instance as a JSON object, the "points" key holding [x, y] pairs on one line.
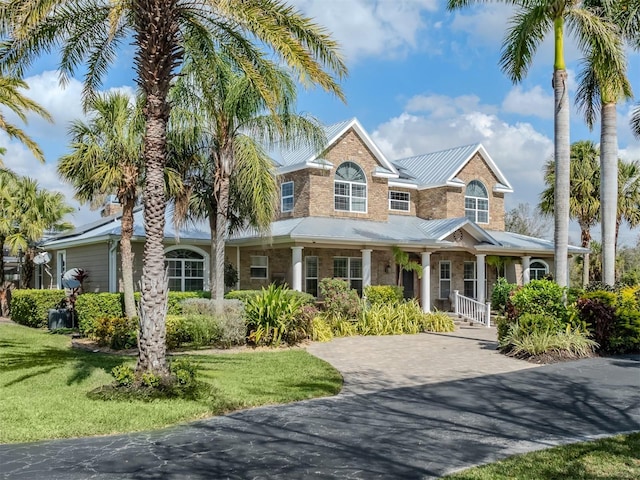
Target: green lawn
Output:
{"points": [[615, 458], [44, 385]]}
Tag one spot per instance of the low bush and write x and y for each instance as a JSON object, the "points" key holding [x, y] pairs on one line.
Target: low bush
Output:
{"points": [[322, 331], [339, 299], [274, 317], [392, 319], [500, 294], [383, 294], [177, 332], [598, 310], [31, 307], [438, 322], [570, 343], [535, 322], [90, 307], [117, 333]]}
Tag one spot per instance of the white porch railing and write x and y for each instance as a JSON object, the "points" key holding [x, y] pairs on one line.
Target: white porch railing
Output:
{"points": [[471, 310]]}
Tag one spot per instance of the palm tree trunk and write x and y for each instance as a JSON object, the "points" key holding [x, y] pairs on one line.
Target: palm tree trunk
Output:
{"points": [[585, 235], [608, 190], [221, 235], [2, 240], [126, 256], [562, 166], [213, 222], [156, 37]]}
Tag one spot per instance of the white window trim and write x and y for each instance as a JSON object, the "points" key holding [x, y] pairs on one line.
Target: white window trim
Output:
{"points": [[349, 278], [476, 210], [440, 279], [307, 277], [472, 280], [205, 260], [531, 269], [350, 196], [407, 201], [266, 267], [292, 197], [199, 251]]}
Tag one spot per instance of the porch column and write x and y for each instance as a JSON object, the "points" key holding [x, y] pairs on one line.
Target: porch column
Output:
{"points": [[526, 270], [366, 267], [480, 284], [425, 283], [113, 266], [296, 261]]}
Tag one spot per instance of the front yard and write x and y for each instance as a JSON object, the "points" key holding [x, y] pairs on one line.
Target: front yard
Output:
{"points": [[44, 385]]}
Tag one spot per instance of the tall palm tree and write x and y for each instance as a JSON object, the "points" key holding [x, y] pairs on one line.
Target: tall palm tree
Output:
{"points": [[89, 34], [7, 187], [584, 202], [106, 158], [603, 83], [233, 125], [628, 195], [533, 20], [14, 100]]}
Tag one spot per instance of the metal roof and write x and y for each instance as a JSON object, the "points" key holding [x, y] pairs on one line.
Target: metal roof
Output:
{"points": [[516, 241]]}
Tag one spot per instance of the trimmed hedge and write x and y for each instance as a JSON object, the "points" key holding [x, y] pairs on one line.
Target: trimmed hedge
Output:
{"points": [[384, 294], [31, 307]]}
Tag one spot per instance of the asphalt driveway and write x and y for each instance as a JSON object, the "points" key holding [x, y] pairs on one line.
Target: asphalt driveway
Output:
{"points": [[417, 431]]}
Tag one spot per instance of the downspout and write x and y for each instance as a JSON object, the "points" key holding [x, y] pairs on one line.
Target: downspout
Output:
{"points": [[113, 266]]}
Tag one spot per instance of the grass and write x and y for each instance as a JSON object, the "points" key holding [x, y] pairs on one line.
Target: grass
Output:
{"points": [[44, 385], [614, 458]]}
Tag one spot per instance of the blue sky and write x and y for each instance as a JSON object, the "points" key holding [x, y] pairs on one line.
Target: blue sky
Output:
{"points": [[421, 79]]}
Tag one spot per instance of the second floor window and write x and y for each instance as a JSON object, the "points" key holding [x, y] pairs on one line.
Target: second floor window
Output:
{"points": [[399, 201], [286, 197], [476, 202], [350, 188]]}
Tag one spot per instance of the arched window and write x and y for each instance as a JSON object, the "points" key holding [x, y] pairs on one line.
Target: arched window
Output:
{"points": [[186, 270], [538, 270], [476, 202], [350, 189]]}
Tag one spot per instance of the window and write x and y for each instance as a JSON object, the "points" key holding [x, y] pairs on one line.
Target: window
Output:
{"points": [[476, 202], [286, 197], [185, 269], [470, 279], [399, 201], [259, 266], [445, 279], [61, 267], [311, 275], [538, 270], [350, 188], [349, 269]]}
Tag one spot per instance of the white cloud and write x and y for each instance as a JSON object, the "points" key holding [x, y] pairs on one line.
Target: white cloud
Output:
{"points": [[518, 149], [367, 28], [485, 25], [535, 102]]}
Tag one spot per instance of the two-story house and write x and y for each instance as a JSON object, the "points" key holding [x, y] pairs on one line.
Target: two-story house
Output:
{"points": [[340, 215]]}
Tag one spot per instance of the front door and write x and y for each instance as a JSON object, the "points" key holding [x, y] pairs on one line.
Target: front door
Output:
{"points": [[407, 281]]}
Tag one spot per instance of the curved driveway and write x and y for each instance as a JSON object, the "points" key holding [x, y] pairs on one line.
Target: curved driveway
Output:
{"points": [[422, 417]]}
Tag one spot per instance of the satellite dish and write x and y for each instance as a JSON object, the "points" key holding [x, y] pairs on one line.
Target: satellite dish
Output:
{"points": [[41, 258], [70, 280]]}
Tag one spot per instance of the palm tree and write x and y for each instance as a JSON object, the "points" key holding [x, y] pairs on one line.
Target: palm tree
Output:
{"points": [[30, 214], [635, 121], [584, 202], [628, 195], [7, 187], [234, 182], [531, 23], [11, 98], [90, 33], [106, 158], [603, 82]]}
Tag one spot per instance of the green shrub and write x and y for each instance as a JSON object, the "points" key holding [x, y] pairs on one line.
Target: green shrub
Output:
{"points": [[117, 333], [93, 306], [124, 375], [339, 299], [150, 379], [438, 322], [245, 295], [500, 294], [176, 300], [542, 297], [185, 373], [322, 331], [383, 294], [274, 317], [569, 343], [626, 335], [598, 310], [535, 322], [31, 307], [392, 319], [177, 332]]}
